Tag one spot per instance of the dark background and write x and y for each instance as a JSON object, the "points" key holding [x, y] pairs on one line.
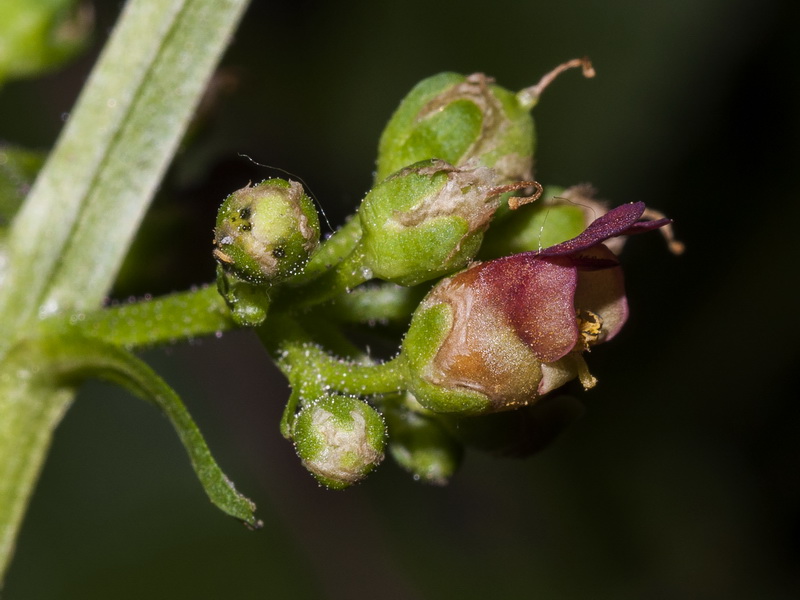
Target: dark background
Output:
{"points": [[681, 481]]}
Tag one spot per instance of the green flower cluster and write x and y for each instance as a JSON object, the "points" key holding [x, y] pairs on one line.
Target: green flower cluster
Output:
{"points": [[446, 247]]}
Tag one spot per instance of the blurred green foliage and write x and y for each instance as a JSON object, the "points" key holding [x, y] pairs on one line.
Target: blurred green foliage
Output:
{"points": [[680, 481], [18, 169], [40, 35]]}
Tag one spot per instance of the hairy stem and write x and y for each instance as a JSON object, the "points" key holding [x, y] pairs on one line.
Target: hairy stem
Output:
{"points": [[152, 321]]}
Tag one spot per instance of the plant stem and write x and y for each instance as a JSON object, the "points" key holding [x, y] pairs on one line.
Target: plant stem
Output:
{"points": [[342, 278], [162, 320], [313, 372], [29, 416], [334, 249]]}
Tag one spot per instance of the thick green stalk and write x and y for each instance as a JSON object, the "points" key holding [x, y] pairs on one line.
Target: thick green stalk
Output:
{"points": [[68, 240], [152, 321]]}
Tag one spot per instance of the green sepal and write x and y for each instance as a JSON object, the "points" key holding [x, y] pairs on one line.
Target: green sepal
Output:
{"points": [[65, 362], [397, 149], [426, 220], [265, 233], [248, 302], [427, 332]]}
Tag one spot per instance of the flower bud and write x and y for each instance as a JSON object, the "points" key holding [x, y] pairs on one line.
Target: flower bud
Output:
{"points": [[265, 233], [339, 439], [501, 334], [463, 120], [466, 120], [422, 445], [427, 220]]}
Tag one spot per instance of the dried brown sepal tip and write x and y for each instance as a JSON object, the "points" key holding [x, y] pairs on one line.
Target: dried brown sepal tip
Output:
{"points": [[529, 96], [514, 202]]}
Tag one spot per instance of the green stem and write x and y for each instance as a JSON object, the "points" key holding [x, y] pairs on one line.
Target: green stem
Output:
{"points": [[349, 273], [29, 414], [167, 319], [334, 249], [313, 372]]}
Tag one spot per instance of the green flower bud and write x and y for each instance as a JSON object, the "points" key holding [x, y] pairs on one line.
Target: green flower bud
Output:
{"points": [[427, 220], [339, 439], [463, 120], [265, 233], [466, 120], [421, 444]]}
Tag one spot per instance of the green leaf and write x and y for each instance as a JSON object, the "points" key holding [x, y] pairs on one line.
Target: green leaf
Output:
{"points": [[68, 361]]}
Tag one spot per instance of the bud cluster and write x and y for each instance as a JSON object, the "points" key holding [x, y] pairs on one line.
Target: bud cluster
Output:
{"points": [[499, 297]]}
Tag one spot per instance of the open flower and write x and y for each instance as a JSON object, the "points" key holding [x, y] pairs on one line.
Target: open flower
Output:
{"points": [[502, 333]]}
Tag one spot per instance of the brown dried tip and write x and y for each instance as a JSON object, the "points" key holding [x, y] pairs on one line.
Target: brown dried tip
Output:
{"points": [[514, 202], [529, 96], [675, 246]]}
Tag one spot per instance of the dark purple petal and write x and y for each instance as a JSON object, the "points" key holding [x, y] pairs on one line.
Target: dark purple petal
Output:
{"points": [[643, 226], [617, 221]]}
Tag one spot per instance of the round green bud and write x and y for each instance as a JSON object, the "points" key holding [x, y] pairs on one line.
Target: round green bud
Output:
{"points": [[426, 220], [422, 445], [339, 439], [265, 233], [465, 120]]}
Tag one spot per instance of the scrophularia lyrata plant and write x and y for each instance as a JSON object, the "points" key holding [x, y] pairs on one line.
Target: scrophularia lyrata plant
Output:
{"points": [[496, 311]]}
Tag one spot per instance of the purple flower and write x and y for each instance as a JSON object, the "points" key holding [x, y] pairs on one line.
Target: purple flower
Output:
{"points": [[509, 330]]}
